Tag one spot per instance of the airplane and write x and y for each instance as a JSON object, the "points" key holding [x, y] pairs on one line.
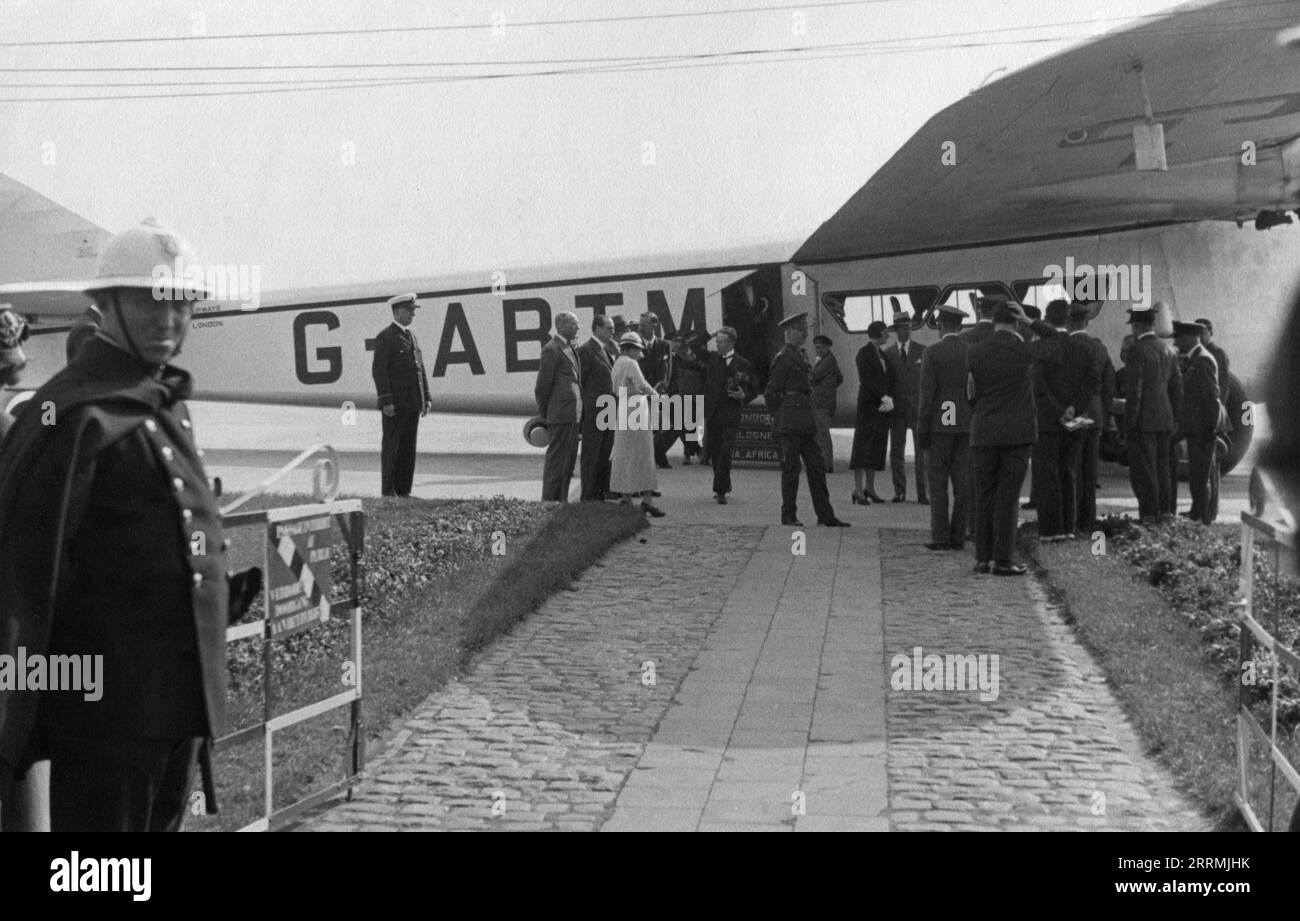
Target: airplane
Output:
{"points": [[1123, 171]]}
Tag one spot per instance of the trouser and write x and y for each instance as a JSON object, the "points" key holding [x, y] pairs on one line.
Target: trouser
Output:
{"points": [[795, 447], [823, 420], [26, 805], [1089, 466], [597, 444], [719, 439], [397, 453], [999, 473], [561, 455], [948, 462], [1057, 459], [1148, 471], [898, 428], [1202, 475], [120, 783]]}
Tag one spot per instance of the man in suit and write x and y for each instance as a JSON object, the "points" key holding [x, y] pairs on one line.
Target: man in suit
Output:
{"points": [[656, 368], [943, 431], [826, 377], [1153, 400], [789, 399], [595, 362], [1065, 383], [1098, 411], [907, 356], [1219, 355], [668, 435], [403, 387], [983, 327], [1003, 427], [1198, 419], [559, 401], [729, 384]]}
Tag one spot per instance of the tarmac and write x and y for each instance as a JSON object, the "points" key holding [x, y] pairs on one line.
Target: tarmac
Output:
{"points": [[730, 673]]}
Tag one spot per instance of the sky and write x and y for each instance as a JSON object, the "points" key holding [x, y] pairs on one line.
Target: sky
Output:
{"points": [[711, 150]]}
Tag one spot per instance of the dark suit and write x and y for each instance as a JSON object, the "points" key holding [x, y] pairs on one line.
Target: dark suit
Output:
{"points": [[1099, 410], [1065, 378], [826, 378], [658, 368], [1154, 391], [721, 411], [401, 381], [1198, 421], [1221, 366], [595, 364], [1003, 427], [559, 401], [791, 374], [978, 333], [905, 413], [943, 423]]}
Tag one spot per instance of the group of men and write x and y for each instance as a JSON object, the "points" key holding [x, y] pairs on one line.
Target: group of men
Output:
{"points": [[1011, 389]]}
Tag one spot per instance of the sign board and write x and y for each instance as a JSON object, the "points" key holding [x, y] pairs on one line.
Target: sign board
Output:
{"points": [[755, 444], [298, 574]]}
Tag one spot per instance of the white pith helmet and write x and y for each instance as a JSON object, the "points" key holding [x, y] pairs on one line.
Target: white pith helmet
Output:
{"points": [[145, 256]]}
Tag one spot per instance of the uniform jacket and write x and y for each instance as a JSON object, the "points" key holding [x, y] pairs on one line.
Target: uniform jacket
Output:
{"points": [[559, 386], [98, 514], [1065, 377], [943, 382], [1099, 406], [1000, 387], [398, 370], [1154, 387], [978, 333], [1221, 361], [827, 378], [909, 376], [875, 381], [1199, 413], [790, 374], [595, 365]]}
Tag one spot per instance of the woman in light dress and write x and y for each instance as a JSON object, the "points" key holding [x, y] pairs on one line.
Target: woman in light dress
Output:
{"points": [[632, 461]]}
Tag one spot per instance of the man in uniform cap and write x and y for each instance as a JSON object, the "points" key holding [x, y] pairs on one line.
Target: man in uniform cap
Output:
{"points": [[907, 356], [403, 387], [111, 546], [1198, 420], [943, 431], [789, 399], [1153, 400]]}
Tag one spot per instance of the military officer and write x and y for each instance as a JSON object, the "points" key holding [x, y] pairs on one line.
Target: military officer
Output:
{"points": [[789, 400], [403, 387], [111, 550]]}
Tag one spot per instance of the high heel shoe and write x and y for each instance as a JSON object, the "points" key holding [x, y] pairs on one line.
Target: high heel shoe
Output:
{"points": [[873, 497], [859, 499], [652, 511]]}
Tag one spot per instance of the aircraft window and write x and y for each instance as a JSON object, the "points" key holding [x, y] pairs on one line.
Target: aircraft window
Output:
{"points": [[964, 296], [1039, 292], [856, 310]]}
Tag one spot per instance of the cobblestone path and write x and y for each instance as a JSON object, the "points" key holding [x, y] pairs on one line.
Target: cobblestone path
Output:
{"points": [[1053, 751]]}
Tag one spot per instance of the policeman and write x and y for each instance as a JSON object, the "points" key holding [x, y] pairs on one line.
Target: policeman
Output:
{"points": [[112, 554], [403, 388], [789, 400]]}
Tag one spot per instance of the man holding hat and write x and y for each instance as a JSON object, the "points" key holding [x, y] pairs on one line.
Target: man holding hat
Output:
{"points": [[1153, 401], [907, 355], [789, 400], [1198, 420], [403, 386], [112, 551], [943, 431], [983, 327]]}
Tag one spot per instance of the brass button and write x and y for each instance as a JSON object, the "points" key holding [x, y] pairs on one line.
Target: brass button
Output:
{"points": [[198, 579], [151, 425], [178, 484], [185, 423], [225, 544], [186, 515], [168, 454]]}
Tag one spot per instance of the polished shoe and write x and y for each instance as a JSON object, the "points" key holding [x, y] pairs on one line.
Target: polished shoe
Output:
{"points": [[981, 569], [1029, 505], [834, 523], [859, 499], [720, 498], [934, 546], [924, 500], [792, 522], [1009, 569], [686, 461], [652, 511], [900, 498], [664, 466]]}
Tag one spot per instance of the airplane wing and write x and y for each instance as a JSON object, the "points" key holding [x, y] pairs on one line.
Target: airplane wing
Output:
{"points": [[1050, 150], [42, 245]]}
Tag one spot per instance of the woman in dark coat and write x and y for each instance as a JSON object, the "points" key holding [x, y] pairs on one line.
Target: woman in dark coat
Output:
{"points": [[877, 388]]}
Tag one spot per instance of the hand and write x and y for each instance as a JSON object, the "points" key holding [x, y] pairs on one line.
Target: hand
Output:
{"points": [[1018, 312], [1069, 413], [243, 589], [428, 408], [389, 410]]}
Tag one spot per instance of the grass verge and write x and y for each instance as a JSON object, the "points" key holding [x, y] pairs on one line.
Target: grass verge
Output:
{"points": [[435, 592], [1165, 649]]}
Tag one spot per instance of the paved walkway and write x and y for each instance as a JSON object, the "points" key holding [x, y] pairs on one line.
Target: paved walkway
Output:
{"points": [[770, 706]]}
